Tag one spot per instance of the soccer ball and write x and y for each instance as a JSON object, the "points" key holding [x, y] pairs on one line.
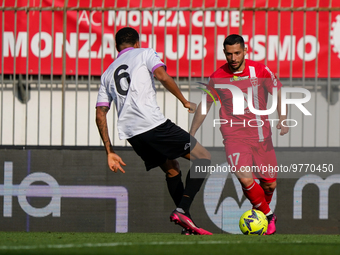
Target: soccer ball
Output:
{"points": [[253, 222]]}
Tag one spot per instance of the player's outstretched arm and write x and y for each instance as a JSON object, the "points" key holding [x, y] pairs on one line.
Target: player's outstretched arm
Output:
{"points": [[198, 119], [282, 118], [171, 85], [113, 160]]}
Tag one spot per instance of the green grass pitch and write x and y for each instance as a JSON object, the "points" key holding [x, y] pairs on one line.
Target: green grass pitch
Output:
{"points": [[160, 243]]}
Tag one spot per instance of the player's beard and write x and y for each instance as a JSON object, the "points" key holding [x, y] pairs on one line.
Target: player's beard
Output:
{"points": [[237, 67]]}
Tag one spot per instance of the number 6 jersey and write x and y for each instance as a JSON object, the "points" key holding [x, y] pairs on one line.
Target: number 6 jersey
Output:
{"points": [[129, 82]]}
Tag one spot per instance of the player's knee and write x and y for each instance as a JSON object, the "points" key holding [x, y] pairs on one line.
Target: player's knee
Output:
{"points": [[246, 182], [272, 186], [172, 173], [171, 168], [268, 186], [245, 175]]}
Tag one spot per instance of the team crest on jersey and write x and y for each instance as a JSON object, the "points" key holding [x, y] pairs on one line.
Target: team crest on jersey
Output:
{"points": [[254, 82], [239, 78]]}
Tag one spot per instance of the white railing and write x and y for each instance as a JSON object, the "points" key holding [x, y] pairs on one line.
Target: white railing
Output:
{"points": [[52, 57]]}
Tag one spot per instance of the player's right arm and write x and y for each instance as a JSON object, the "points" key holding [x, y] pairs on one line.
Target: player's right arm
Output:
{"points": [[113, 160], [171, 85], [198, 118]]}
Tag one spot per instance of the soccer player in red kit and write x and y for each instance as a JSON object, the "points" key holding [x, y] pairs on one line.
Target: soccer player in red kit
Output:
{"points": [[247, 137]]}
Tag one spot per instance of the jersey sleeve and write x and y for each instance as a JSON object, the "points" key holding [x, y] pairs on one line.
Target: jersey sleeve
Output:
{"points": [[153, 61], [271, 81], [104, 97]]}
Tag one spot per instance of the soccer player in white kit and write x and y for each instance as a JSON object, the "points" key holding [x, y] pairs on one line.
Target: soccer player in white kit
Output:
{"points": [[129, 82]]}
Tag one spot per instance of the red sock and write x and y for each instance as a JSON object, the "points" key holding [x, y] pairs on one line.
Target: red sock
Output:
{"points": [[256, 196], [268, 196]]}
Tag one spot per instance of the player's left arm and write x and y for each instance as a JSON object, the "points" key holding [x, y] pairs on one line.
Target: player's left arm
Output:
{"points": [[171, 85], [282, 118]]}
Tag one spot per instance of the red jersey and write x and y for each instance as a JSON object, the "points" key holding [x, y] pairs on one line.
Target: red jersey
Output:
{"points": [[248, 125]]}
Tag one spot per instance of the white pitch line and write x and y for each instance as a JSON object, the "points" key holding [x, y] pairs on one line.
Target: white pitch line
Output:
{"points": [[94, 245]]}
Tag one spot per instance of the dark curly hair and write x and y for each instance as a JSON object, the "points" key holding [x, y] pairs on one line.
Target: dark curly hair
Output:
{"points": [[233, 39], [126, 35]]}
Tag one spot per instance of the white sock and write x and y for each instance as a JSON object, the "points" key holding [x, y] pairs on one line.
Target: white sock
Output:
{"points": [[180, 210], [270, 212]]}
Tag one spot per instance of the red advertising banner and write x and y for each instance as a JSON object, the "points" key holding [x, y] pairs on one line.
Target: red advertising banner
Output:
{"points": [[188, 37]]}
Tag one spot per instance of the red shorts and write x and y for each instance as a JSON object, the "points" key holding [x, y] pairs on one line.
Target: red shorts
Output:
{"points": [[260, 156]]}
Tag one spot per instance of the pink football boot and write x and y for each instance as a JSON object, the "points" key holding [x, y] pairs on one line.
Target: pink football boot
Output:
{"points": [[187, 223], [271, 226]]}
